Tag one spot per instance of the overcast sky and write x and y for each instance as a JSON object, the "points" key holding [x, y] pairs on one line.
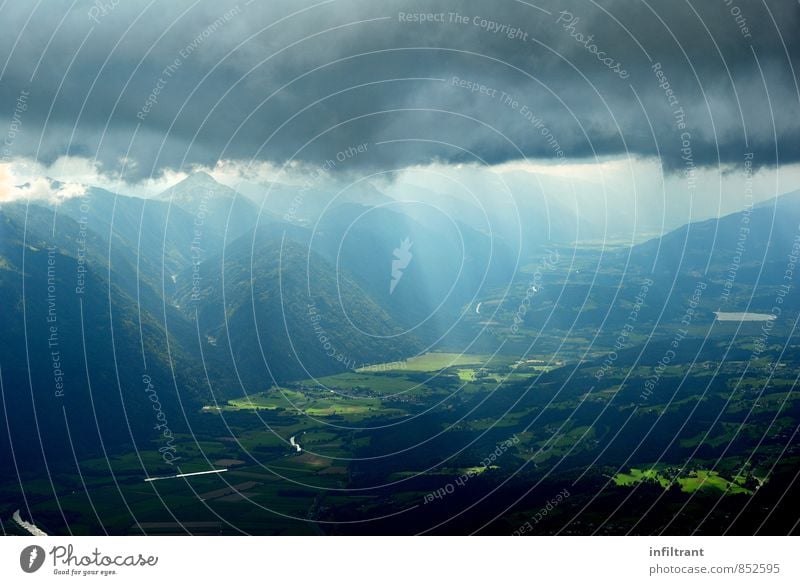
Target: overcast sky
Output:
{"points": [[689, 85]]}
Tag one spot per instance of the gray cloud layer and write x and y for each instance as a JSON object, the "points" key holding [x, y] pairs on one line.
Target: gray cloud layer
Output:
{"points": [[285, 79]]}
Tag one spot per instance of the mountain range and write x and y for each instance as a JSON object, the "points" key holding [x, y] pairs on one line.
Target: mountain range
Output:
{"points": [[204, 293]]}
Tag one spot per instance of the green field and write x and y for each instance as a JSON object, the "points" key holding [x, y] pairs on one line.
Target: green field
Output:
{"points": [[433, 362], [695, 480], [703, 479], [635, 476], [324, 403]]}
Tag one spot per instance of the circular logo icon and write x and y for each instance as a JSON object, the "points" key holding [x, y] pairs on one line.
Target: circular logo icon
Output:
{"points": [[31, 558]]}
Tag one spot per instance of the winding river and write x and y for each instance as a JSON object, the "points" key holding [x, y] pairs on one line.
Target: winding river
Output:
{"points": [[295, 444]]}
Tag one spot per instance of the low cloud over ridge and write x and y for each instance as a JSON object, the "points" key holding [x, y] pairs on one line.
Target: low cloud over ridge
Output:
{"points": [[146, 90]]}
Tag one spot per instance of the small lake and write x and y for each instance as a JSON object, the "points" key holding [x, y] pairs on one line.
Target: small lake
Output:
{"points": [[721, 316]]}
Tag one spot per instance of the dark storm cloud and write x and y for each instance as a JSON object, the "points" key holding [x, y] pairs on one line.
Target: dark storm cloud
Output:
{"points": [[185, 83]]}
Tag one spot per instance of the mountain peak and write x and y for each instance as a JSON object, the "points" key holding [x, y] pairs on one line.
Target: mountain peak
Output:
{"points": [[200, 178], [196, 185]]}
